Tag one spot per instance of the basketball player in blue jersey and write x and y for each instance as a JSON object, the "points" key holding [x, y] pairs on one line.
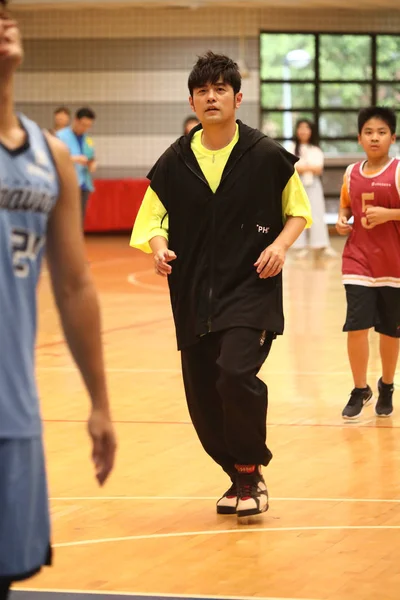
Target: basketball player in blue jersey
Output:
{"points": [[39, 207]]}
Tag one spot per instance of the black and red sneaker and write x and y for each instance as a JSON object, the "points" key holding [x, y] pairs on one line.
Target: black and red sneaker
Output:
{"points": [[226, 505], [252, 492]]}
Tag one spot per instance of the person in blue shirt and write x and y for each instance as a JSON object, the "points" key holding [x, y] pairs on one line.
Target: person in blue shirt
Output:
{"points": [[39, 211], [81, 148]]}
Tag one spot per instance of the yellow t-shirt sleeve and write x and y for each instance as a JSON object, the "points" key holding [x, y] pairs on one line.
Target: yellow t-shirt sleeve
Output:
{"points": [[151, 220], [295, 202]]}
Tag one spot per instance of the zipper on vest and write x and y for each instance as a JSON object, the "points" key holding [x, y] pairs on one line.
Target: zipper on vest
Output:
{"points": [[210, 295], [211, 290], [197, 175], [225, 175]]}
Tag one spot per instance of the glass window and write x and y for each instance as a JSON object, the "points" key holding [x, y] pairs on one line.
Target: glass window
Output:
{"points": [[338, 124], [339, 147], [389, 95], [333, 84], [345, 57], [287, 56], [388, 57], [345, 95], [285, 95], [281, 124]]}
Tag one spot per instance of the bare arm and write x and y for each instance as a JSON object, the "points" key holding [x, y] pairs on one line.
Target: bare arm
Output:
{"points": [[78, 307], [342, 225], [158, 243], [92, 165], [291, 231], [162, 255], [79, 159], [272, 259], [296, 215], [345, 212], [376, 215]]}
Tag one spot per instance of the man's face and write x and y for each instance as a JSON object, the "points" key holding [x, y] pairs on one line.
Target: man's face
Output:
{"points": [[11, 52], [61, 120], [215, 103], [376, 138], [83, 125]]}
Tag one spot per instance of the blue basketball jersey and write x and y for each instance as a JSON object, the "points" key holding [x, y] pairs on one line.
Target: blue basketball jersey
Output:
{"points": [[29, 189]]}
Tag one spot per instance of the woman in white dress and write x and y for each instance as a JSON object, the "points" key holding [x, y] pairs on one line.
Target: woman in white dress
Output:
{"points": [[310, 167]]}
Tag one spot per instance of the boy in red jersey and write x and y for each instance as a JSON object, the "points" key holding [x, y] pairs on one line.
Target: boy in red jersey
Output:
{"points": [[371, 258]]}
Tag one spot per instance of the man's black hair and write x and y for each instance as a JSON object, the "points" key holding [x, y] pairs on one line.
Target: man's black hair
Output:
{"points": [[211, 68], [85, 113]]}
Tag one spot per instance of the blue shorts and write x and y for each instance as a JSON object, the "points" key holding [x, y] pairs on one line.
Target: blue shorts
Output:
{"points": [[24, 510]]}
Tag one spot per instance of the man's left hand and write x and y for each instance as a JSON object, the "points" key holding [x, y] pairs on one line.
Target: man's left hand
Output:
{"points": [[271, 261]]}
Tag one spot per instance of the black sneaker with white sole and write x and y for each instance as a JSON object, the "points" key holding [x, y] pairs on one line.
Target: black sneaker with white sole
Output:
{"points": [[358, 399], [252, 493], [226, 505], [384, 404]]}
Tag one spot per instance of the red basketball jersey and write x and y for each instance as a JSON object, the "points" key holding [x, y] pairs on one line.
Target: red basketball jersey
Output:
{"points": [[372, 255]]}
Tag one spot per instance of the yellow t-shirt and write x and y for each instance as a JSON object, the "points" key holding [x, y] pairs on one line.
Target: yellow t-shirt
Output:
{"points": [[152, 218]]}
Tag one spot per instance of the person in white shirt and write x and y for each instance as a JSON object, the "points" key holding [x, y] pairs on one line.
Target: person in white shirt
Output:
{"points": [[310, 167]]}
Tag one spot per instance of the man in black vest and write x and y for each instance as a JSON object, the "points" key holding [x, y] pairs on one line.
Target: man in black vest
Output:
{"points": [[224, 205]]}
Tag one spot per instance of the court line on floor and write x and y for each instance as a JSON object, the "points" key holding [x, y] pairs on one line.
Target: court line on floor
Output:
{"points": [[368, 424], [146, 370], [109, 261], [212, 532], [152, 595], [150, 287], [137, 325], [208, 498], [95, 263], [73, 369], [119, 422]]}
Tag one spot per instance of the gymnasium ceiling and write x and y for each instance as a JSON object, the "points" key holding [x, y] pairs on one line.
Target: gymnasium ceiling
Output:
{"points": [[393, 5]]}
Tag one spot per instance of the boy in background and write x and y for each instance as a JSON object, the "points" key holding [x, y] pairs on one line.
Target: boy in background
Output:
{"points": [[371, 258]]}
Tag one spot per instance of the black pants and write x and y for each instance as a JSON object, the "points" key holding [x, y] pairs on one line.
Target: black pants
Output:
{"points": [[84, 201], [227, 401], [5, 585]]}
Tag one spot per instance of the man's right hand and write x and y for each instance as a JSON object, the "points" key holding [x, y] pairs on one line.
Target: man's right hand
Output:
{"points": [[342, 226], [161, 259], [80, 159], [103, 443]]}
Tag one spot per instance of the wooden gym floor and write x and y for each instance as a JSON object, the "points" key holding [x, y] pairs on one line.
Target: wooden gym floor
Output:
{"points": [[333, 528]]}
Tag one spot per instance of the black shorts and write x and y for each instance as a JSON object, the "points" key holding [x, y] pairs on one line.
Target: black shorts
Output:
{"points": [[377, 307]]}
